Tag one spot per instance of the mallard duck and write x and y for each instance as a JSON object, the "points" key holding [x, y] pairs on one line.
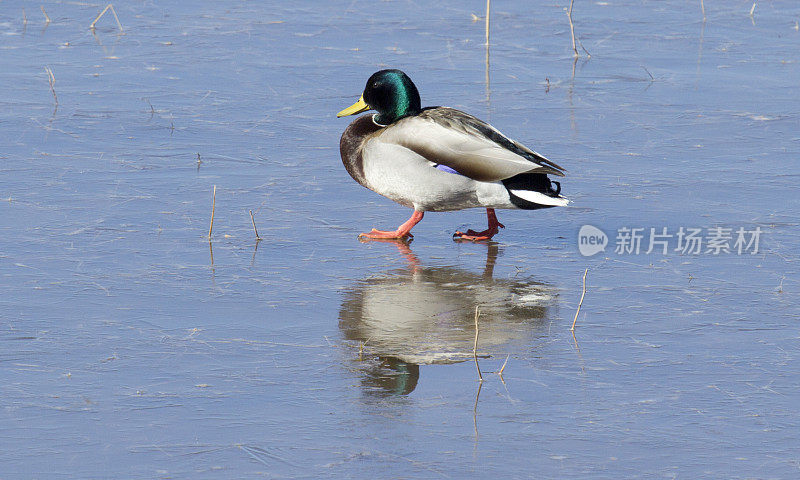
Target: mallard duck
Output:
{"points": [[437, 159]]}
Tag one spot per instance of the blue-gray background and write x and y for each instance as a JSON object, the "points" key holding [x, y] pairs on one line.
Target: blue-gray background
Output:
{"points": [[130, 348]]}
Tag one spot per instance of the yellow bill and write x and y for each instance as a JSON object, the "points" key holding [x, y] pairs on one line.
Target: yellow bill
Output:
{"points": [[357, 107]]}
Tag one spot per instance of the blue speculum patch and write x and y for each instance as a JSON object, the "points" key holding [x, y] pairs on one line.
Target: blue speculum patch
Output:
{"points": [[447, 169]]}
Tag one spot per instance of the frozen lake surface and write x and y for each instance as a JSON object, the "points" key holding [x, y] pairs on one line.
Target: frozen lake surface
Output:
{"points": [[132, 347]]}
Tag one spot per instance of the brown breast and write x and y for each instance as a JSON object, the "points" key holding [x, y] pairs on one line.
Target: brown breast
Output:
{"points": [[350, 146]]}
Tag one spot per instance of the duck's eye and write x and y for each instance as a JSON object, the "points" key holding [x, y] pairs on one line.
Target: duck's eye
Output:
{"points": [[376, 84]]}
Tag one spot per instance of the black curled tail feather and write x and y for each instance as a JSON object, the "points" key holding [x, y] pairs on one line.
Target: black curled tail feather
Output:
{"points": [[537, 182]]}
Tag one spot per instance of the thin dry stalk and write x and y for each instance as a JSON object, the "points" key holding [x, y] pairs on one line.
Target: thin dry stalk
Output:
{"points": [[24, 18], [650, 74], [252, 219], [753, 9], [108, 7], [488, 91], [572, 28], [488, 7], [589, 55], [703, 9], [581, 302], [51, 78], [504, 366], [475, 345], [92, 26], [213, 207], [574, 64], [46, 18]]}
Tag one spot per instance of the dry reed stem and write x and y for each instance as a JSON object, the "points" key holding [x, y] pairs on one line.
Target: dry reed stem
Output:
{"points": [[475, 345], [488, 6], [648, 72], [487, 79], [503, 367], [213, 207], [108, 7], [24, 18], [581, 301], [488, 90], [753, 9], [51, 78], [572, 28], [703, 9], [46, 18], [252, 219]]}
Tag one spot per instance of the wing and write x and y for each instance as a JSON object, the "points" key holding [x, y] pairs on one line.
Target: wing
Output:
{"points": [[472, 147]]}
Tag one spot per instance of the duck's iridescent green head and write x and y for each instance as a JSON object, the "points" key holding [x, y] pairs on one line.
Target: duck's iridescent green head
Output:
{"points": [[391, 93]]}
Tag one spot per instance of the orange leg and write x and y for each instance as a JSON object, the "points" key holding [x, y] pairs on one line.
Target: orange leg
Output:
{"points": [[402, 231], [472, 235]]}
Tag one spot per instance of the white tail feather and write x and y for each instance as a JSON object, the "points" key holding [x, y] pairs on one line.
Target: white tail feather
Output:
{"points": [[540, 198]]}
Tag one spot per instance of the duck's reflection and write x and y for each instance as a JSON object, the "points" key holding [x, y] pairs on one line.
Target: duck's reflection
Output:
{"points": [[421, 315]]}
